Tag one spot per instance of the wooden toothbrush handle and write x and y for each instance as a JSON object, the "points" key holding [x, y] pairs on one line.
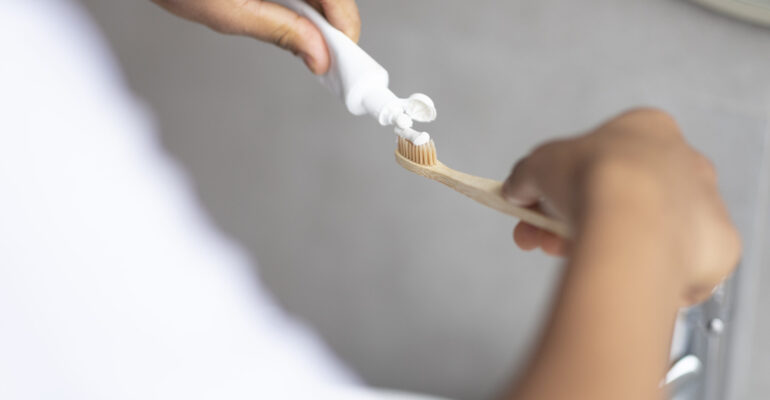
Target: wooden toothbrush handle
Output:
{"points": [[489, 193]]}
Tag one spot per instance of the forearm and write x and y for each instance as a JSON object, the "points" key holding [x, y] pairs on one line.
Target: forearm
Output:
{"points": [[609, 334], [652, 235]]}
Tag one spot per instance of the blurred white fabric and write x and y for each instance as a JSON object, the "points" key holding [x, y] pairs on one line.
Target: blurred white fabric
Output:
{"points": [[113, 283]]}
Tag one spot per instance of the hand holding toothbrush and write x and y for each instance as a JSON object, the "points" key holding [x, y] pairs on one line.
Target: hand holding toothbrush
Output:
{"points": [[270, 22], [651, 235], [636, 176]]}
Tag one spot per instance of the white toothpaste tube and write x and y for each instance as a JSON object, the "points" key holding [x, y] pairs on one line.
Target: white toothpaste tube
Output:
{"points": [[362, 83]]}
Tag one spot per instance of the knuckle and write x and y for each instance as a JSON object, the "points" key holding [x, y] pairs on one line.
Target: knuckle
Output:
{"points": [[651, 121], [286, 35], [281, 37]]}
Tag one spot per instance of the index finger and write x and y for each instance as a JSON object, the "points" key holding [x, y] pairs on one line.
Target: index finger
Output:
{"points": [[342, 14]]}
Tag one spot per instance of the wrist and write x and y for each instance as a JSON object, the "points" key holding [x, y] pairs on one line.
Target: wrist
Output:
{"points": [[622, 223], [615, 190]]}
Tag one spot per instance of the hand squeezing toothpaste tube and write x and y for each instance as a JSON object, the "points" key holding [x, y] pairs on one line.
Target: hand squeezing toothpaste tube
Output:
{"points": [[362, 83]]}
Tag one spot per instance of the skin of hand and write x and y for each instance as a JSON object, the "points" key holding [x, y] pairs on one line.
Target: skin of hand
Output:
{"points": [[640, 154], [273, 23], [651, 235]]}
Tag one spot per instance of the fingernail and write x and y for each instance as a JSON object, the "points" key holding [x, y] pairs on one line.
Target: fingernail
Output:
{"points": [[514, 200], [519, 202]]}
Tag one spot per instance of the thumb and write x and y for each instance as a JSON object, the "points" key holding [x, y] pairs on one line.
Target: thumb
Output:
{"points": [[521, 187], [276, 24], [524, 188]]}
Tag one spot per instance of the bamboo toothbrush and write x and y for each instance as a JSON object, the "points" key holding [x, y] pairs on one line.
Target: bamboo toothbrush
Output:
{"points": [[422, 161]]}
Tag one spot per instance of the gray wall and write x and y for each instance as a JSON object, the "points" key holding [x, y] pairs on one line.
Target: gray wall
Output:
{"points": [[434, 297]]}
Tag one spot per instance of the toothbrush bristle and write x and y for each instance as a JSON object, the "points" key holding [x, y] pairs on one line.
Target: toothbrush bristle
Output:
{"points": [[424, 154]]}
